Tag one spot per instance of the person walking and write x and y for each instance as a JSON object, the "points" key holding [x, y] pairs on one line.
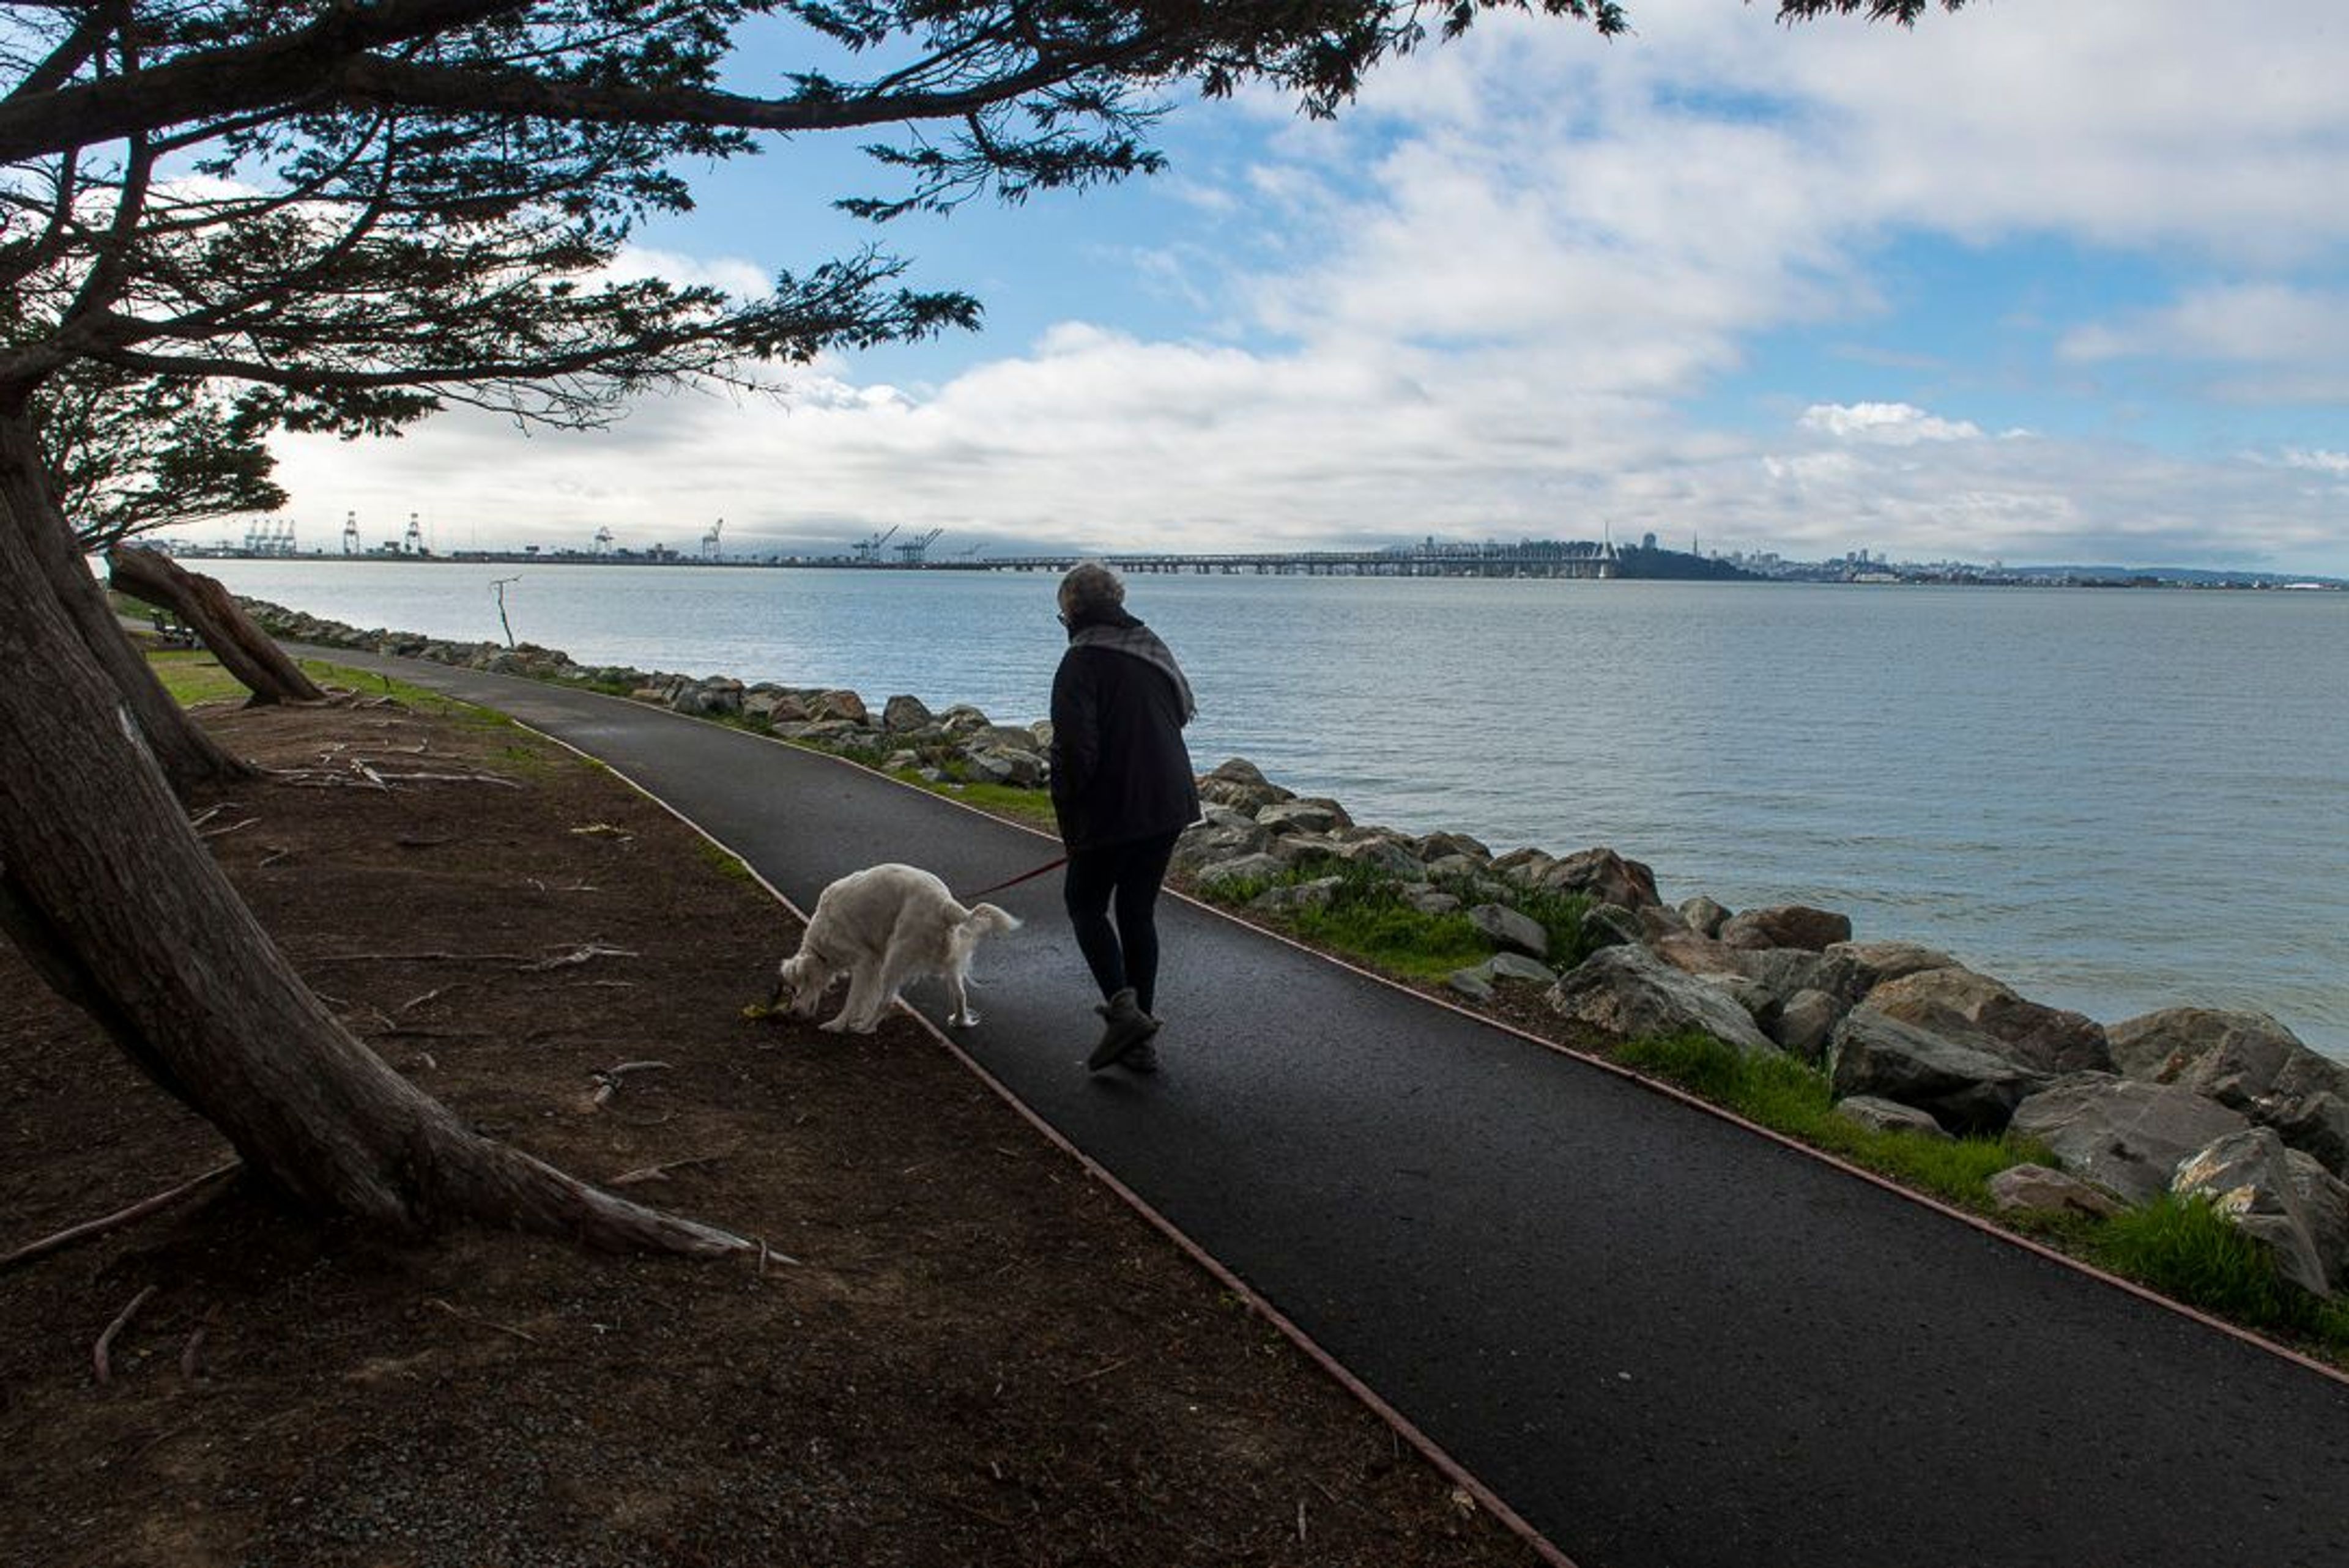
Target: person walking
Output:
{"points": [[1123, 791]]}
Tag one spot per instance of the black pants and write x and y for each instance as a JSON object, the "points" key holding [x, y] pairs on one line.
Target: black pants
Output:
{"points": [[1125, 876]]}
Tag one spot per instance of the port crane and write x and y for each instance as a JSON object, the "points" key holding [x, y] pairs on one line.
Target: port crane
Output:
{"points": [[413, 542], [867, 552], [351, 534], [709, 540], [603, 542], [915, 551]]}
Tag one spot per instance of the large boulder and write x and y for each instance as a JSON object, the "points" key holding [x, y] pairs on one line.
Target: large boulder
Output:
{"points": [[775, 704], [2248, 1062], [2127, 1137], [904, 713], [1611, 925], [1602, 874], [1803, 1022], [838, 704], [1509, 930], [2036, 1188], [1785, 926], [1704, 916], [1880, 1115], [1303, 815], [1525, 866], [1007, 765], [1477, 984], [1241, 869], [1692, 954], [1967, 1088], [1783, 970], [2044, 1039], [1222, 834], [1629, 992], [1384, 853], [1437, 846], [1881, 961], [2280, 1198]]}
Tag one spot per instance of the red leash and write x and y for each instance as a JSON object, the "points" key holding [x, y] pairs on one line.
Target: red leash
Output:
{"points": [[1023, 876]]}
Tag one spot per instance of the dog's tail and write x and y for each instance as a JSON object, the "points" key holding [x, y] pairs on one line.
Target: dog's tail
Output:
{"points": [[985, 920]]}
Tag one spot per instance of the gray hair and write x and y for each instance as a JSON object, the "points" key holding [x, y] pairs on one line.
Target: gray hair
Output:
{"points": [[1089, 587]]}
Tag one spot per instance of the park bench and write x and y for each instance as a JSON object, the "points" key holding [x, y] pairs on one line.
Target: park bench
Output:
{"points": [[173, 631]]}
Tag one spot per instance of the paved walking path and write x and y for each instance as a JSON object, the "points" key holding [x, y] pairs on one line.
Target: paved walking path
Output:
{"points": [[1663, 1339]]}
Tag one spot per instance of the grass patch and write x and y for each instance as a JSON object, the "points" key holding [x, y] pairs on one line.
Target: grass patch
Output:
{"points": [[2187, 1250], [192, 675], [725, 863], [1368, 918], [1788, 1097]]}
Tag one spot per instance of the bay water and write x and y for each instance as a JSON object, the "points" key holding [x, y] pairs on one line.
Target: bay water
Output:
{"points": [[2113, 801]]}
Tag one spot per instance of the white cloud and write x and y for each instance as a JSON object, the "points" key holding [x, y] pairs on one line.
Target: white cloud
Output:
{"points": [[1888, 424], [2322, 462]]}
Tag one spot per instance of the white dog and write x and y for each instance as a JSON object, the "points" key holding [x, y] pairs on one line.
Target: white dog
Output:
{"points": [[883, 928]]}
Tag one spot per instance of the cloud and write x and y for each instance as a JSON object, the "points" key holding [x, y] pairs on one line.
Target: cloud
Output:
{"points": [[1502, 296], [1889, 423]]}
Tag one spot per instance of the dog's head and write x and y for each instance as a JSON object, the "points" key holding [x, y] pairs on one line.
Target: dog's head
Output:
{"points": [[801, 983]]}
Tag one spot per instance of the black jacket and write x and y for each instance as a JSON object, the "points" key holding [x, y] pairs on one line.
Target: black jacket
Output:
{"points": [[1120, 769]]}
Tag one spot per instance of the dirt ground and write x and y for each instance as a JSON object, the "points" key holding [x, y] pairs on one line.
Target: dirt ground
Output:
{"points": [[978, 1356]]}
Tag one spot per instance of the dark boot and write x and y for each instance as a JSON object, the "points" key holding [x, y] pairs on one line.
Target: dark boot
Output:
{"points": [[1125, 1026]]}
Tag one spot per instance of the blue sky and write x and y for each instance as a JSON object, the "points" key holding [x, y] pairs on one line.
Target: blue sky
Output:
{"points": [[2048, 281]]}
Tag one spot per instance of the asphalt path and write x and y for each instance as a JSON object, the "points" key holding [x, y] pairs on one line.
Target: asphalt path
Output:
{"points": [[1665, 1341]]}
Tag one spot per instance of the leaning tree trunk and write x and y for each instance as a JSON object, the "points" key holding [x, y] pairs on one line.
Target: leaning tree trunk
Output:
{"points": [[186, 752], [243, 649], [122, 908]]}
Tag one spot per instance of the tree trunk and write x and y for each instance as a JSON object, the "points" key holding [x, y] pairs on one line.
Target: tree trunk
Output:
{"points": [[246, 651], [186, 752], [124, 910]]}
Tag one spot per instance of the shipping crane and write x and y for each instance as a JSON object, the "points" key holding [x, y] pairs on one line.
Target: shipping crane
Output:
{"points": [[709, 540], [914, 552], [351, 534], [412, 543], [867, 552], [603, 542]]}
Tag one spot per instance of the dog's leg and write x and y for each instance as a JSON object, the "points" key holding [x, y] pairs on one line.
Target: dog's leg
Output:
{"points": [[859, 1014], [961, 1013]]}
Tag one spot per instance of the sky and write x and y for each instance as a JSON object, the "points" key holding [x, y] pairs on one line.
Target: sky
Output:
{"points": [[2046, 282]]}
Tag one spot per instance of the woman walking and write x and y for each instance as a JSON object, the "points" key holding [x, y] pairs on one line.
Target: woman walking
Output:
{"points": [[1124, 792]]}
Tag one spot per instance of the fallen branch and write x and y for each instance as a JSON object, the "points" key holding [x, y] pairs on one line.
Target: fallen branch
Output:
{"points": [[499, 779], [608, 1081], [1100, 1372], [475, 1317], [98, 1354], [223, 832], [584, 953], [137, 1210], [659, 1173], [520, 958], [273, 856], [432, 996]]}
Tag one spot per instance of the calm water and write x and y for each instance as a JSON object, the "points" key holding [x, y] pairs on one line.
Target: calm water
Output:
{"points": [[2113, 801]]}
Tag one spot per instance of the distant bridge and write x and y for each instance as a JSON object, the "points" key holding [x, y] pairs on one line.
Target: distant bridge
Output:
{"points": [[1532, 558]]}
